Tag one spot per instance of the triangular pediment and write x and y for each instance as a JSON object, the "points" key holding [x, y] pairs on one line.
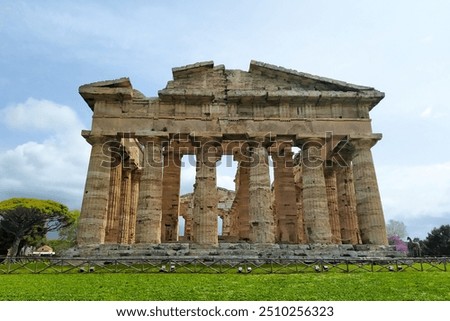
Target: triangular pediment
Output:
{"points": [[204, 81], [295, 79]]}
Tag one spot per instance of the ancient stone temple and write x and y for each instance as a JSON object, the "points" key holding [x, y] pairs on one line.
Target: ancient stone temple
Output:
{"points": [[315, 131]]}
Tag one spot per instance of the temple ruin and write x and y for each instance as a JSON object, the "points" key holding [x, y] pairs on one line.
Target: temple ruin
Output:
{"points": [[315, 131]]}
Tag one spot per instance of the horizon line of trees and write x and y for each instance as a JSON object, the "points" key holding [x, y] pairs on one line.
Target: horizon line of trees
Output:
{"points": [[436, 243]]}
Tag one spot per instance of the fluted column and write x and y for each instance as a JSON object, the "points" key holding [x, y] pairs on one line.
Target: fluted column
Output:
{"points": [[189, 221], [240, 221], [134, 200], [315, 205], [205, 195], [125, 206], [285, 200], [226, 223], [112, 230], [92, 223], [347, 202], [260, 210], [301, 235], [171, 196], [333, 209], [368, 201], [148, 217]]}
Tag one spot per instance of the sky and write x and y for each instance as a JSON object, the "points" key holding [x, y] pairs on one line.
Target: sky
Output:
{"points": [[50, 48]]}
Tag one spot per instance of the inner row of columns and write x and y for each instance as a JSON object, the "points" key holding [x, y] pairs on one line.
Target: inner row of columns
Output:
{"points": [[314, 201]]}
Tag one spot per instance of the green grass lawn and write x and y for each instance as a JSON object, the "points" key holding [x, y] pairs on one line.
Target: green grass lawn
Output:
{"points": [[424, 286]]}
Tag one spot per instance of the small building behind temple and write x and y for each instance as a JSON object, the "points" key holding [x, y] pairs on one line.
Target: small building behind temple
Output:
{"points": [[44, 250], [325, 194]]}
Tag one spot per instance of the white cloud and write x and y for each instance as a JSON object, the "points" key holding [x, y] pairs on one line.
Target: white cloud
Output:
{"points": [[41, 115], [187, 178], [426, 113], [53, 167], [226, 181], [410, 192]]}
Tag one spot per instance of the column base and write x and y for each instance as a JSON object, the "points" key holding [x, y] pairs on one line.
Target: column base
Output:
{"points": [[235, 249]]}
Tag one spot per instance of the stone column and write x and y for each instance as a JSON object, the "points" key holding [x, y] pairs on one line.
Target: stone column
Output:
{"points": [[301, 235], [226, 223], [240, 225], [285, 198], [260, 209], [125, 206], [92, 223], [148, 216], [368, 201], [171, 196], [347, 202], [333, 209], [204, 229], [189, 221], [134, 199], [315, 205], [112, 221]]}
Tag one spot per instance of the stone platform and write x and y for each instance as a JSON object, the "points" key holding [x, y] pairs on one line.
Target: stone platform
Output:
{"points": [[242, 249]]}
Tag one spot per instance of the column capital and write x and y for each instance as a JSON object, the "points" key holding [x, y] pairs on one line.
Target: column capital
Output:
{"points": [[157, 137], [365, 142], [201, 138], [99, 139], [281, 149], [129, 164], [264, 139], [242, 156], [343, 156], [153, 146], [209, 150], [174, 152], [312, 153], [310, 140]]}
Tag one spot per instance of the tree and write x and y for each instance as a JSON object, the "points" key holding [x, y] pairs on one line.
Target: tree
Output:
{"points": [[437, 243], [67, 235], [396, 228], [399, 244], [24, 221]]}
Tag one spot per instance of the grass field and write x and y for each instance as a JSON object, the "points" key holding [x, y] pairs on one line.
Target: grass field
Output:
{"points": [[384, 286]]}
